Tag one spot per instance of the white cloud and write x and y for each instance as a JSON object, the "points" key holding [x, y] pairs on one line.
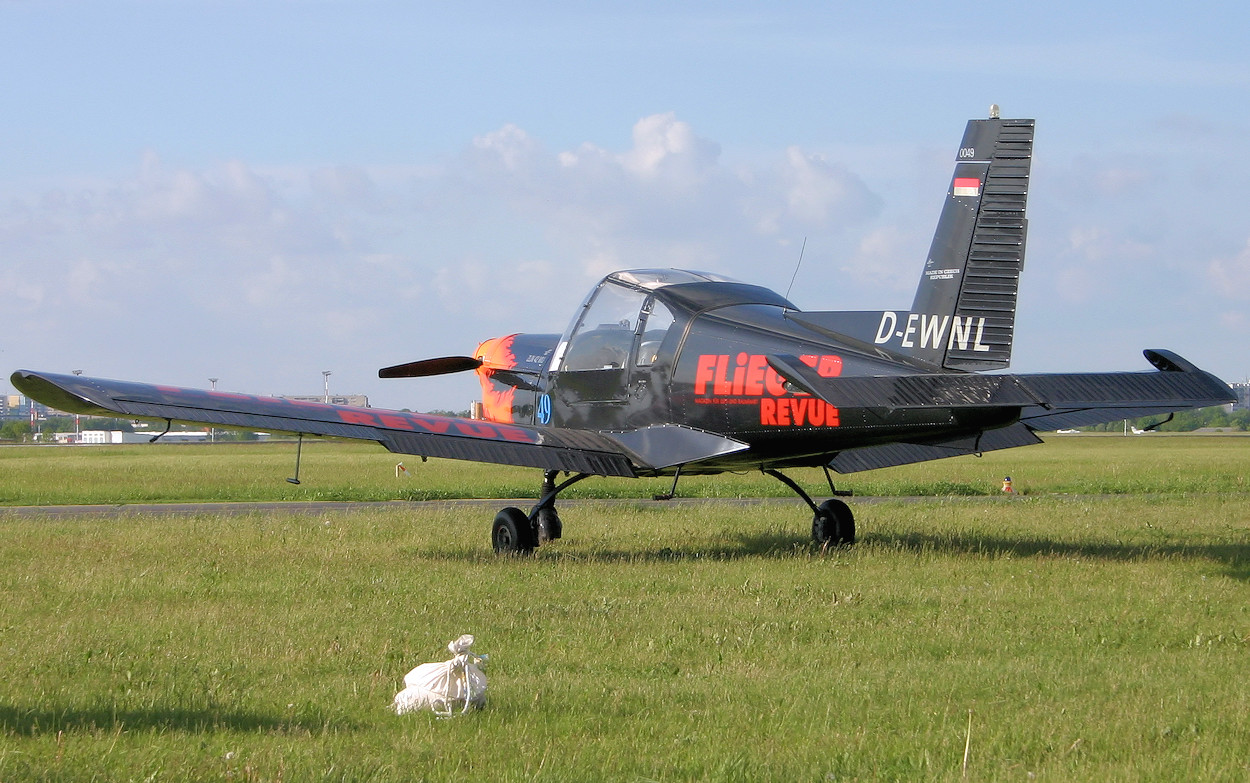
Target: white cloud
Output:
{"points": [[344, 185], [1122, 180], [1231, 275], [1093, 261], [819, 192], [887, 257], [1097, 244], [668, 200], [1235, 321], [664, 146], [23, 295], [269, 284], [263, 275], [509, 146], [236, 260]]}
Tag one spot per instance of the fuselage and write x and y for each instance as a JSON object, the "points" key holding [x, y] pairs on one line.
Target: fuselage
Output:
{"points": [[653, 347]]}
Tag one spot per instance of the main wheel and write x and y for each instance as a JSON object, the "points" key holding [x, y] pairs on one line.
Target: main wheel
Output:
{"points": [[833, 524], [512, 533]]}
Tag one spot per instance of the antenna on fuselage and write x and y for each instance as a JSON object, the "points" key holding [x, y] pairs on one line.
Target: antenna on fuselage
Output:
{"points": [[796, 267]]}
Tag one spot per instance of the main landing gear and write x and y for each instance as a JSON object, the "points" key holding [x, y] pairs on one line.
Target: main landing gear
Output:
{"points": [[833, 524], [517, 533]]}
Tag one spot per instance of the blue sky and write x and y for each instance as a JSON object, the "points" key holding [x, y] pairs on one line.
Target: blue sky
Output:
{"points": [[261, 191]]}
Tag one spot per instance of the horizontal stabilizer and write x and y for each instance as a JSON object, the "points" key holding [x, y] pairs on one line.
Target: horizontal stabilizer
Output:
{"points": [[895, 392], [1174, 389]]}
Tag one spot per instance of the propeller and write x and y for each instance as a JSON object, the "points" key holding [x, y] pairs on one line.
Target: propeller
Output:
{"points": [[440, 366], [449, 364]]}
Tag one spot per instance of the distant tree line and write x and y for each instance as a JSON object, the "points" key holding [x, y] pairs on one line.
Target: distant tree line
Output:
{"points": [[1185, 421], [19, 430], [15, 430], [67, 424]]}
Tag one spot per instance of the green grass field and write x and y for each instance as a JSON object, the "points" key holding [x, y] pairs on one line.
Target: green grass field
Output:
{"points": [[1096, 627], [340, 470]]}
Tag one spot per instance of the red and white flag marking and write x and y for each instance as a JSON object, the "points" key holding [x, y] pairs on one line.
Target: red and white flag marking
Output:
{"points": [[966, 186]]}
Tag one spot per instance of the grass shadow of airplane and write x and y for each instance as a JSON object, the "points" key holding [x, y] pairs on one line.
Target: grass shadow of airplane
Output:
{"points": [[45, 720]]}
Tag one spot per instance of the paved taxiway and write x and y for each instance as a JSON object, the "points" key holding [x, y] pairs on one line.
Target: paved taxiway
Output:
{"points": [[331, 506]]}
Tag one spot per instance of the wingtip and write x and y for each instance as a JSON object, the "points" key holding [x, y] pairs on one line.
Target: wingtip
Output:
{"points": [[20, 378]]}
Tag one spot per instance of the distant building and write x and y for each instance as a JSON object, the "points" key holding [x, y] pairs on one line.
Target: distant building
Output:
{"points": [[99, 437], [12, 406], [355, 400], [16, 406], [1242, 390]]}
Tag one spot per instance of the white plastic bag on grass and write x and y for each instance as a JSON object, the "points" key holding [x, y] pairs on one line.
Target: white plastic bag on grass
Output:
{"points": [[447, 687]]}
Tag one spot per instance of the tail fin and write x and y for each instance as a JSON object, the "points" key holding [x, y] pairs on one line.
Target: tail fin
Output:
{"points": [[963, 316]]}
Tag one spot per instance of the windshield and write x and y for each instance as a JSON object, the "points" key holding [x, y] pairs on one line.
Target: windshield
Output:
{"points": [[604, 338]]}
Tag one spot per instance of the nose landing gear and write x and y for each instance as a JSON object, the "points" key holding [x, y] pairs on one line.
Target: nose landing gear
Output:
{"points": [[516, 533]]}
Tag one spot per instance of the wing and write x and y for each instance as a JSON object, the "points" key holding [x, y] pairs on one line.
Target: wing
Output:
{"points": [[578, 451], [1044, 401]]}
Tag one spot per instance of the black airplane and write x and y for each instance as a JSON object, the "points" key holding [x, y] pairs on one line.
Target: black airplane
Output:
{"points": [[665, 372]]}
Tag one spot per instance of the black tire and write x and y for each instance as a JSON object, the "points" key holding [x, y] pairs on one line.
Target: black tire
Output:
{"points": [[833, 524], [512, 533]]}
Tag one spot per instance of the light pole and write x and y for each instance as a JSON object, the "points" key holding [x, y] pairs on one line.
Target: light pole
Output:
{"points": [[212, 431], [325, 375], [77, 418]]}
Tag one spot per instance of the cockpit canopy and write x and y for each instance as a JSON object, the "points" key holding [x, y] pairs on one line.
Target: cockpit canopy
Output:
{"points": [[618, 321], [651, 279], [626, 317]]}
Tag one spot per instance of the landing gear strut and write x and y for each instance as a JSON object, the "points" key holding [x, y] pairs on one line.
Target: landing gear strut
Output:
{"points": [[549, 526], [833, 524], [517, 533]]}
